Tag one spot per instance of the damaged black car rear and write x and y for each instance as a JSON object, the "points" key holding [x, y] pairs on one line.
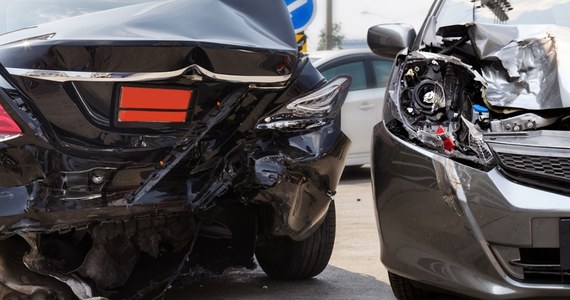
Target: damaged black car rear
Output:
{"points": [[144, 144]]}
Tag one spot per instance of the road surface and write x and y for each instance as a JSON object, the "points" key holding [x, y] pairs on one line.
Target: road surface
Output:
{"points": [[354, 272]]}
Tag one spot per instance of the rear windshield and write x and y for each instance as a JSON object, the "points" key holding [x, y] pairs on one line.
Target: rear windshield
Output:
{"points": [[19, 14]]}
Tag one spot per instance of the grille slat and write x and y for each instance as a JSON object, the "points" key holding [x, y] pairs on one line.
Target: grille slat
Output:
{"points": [[539, 165], [548, 172], [541, 265]]}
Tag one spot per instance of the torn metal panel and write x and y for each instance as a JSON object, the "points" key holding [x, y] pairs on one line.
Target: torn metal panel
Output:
{"points": [[17, 279], [300, 192], [448, 183], [522, 64]]}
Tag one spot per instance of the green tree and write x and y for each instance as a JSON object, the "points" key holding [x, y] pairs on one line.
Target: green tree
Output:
{"points": [[337, 37]]}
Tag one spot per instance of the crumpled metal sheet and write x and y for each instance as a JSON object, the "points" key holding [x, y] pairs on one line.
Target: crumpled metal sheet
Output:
{"points": [[522, 65], [449, 183], [229, 22], [226, 36]]}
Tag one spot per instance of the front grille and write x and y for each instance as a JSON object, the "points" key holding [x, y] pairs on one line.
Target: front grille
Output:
{"points": [[548, 172], [540, 165], [541, 265]]}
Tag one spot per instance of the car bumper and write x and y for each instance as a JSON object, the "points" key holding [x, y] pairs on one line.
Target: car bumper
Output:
{"points": [[296, 175], [458, 228]]}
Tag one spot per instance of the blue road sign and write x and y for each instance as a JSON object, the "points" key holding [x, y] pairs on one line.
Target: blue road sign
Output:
{"points": [[302, 13]]}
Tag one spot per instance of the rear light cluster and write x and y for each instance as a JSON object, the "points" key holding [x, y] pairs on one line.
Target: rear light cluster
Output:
{"points": [[153, 105], [311, 110], [8, 127]]}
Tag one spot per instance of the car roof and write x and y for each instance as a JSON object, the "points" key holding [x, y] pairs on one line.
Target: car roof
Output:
{"points": [[319, 58]]}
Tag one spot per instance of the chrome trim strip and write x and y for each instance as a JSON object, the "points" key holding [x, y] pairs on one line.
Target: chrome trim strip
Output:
{"points": [[65, 76], [242, 78], [518, 263]]}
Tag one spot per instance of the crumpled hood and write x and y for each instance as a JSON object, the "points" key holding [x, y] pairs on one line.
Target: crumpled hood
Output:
{"points": [[525, 66]]}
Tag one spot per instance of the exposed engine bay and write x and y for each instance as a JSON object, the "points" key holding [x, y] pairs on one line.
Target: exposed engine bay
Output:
{"points": [[468, 86]]}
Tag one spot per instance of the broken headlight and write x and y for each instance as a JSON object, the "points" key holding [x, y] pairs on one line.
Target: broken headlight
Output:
{"points": [[441, 103], [311, 110]]}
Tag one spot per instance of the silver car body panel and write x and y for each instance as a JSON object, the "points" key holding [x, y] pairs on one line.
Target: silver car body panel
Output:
{"points": [[443, 223], [470, 164], [534, 61]]}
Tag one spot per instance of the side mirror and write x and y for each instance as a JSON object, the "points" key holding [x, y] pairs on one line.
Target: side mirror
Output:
{"points": [[389, 39]]}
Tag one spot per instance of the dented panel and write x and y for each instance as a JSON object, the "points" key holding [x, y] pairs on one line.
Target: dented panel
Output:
{"points": [[531, 57]]}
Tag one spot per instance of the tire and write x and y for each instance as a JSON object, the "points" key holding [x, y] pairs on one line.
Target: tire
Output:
{"points": [[284, 258], [404, 289]]}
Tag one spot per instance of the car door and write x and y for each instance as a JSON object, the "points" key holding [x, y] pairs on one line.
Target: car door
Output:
{"points": [[362, 108]]}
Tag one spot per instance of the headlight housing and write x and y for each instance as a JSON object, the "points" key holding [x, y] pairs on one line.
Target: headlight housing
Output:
{"points": [[440, 102]]}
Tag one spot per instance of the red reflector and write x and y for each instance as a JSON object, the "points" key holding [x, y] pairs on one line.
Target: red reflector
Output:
{"points": [[153, 105], [151, 116], [154, 98], [7, 124]]}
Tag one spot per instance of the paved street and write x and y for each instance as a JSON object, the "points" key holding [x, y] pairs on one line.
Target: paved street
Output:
{"points": [[354, 271]]}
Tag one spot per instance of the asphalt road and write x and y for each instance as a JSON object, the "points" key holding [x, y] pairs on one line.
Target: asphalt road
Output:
{"points": [[354, 272]]}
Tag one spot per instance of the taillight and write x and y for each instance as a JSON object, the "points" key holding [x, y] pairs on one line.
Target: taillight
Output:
{"points": [[8, 127], [311, 110]]}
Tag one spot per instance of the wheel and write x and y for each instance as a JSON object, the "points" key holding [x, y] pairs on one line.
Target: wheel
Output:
{"points": [[404, 289], [284, 258]]}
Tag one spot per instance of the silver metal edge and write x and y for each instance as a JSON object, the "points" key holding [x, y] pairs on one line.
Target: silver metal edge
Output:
{"points": [[65, 76]]}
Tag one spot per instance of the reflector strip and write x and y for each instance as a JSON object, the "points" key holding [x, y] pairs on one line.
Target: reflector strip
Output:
{"points": [[7, 124], [153, 105], [151, 116], [154, 98]]}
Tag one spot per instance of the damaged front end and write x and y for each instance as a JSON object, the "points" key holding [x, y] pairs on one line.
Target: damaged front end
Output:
{"points": [[138, 160], [437, 105], [471, 159], [472, 87]]}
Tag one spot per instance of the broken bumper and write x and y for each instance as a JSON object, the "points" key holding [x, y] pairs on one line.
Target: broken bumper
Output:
{"points": [[464, 230], [294, 177], [296, 174]]}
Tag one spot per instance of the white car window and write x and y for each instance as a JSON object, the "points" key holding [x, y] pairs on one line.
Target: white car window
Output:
{"points": [[382, 69], [354, 69]]}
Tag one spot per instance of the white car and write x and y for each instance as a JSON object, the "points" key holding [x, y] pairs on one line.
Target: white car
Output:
{"points": [[363, 106]]}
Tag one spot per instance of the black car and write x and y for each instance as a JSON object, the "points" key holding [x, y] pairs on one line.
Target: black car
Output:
{"points": [[143, 143]]}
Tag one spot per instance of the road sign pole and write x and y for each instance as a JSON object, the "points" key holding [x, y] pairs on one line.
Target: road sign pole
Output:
{"points": [[329, 27]]}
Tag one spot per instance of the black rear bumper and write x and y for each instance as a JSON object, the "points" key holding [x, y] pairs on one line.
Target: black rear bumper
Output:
{"points": [[295, 174]]}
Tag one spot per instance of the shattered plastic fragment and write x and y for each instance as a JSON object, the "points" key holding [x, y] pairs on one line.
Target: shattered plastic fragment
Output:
{"points": [[448, 143]]}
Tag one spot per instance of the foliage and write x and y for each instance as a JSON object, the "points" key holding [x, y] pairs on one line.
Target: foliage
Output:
{"points": [[337, 37]]}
